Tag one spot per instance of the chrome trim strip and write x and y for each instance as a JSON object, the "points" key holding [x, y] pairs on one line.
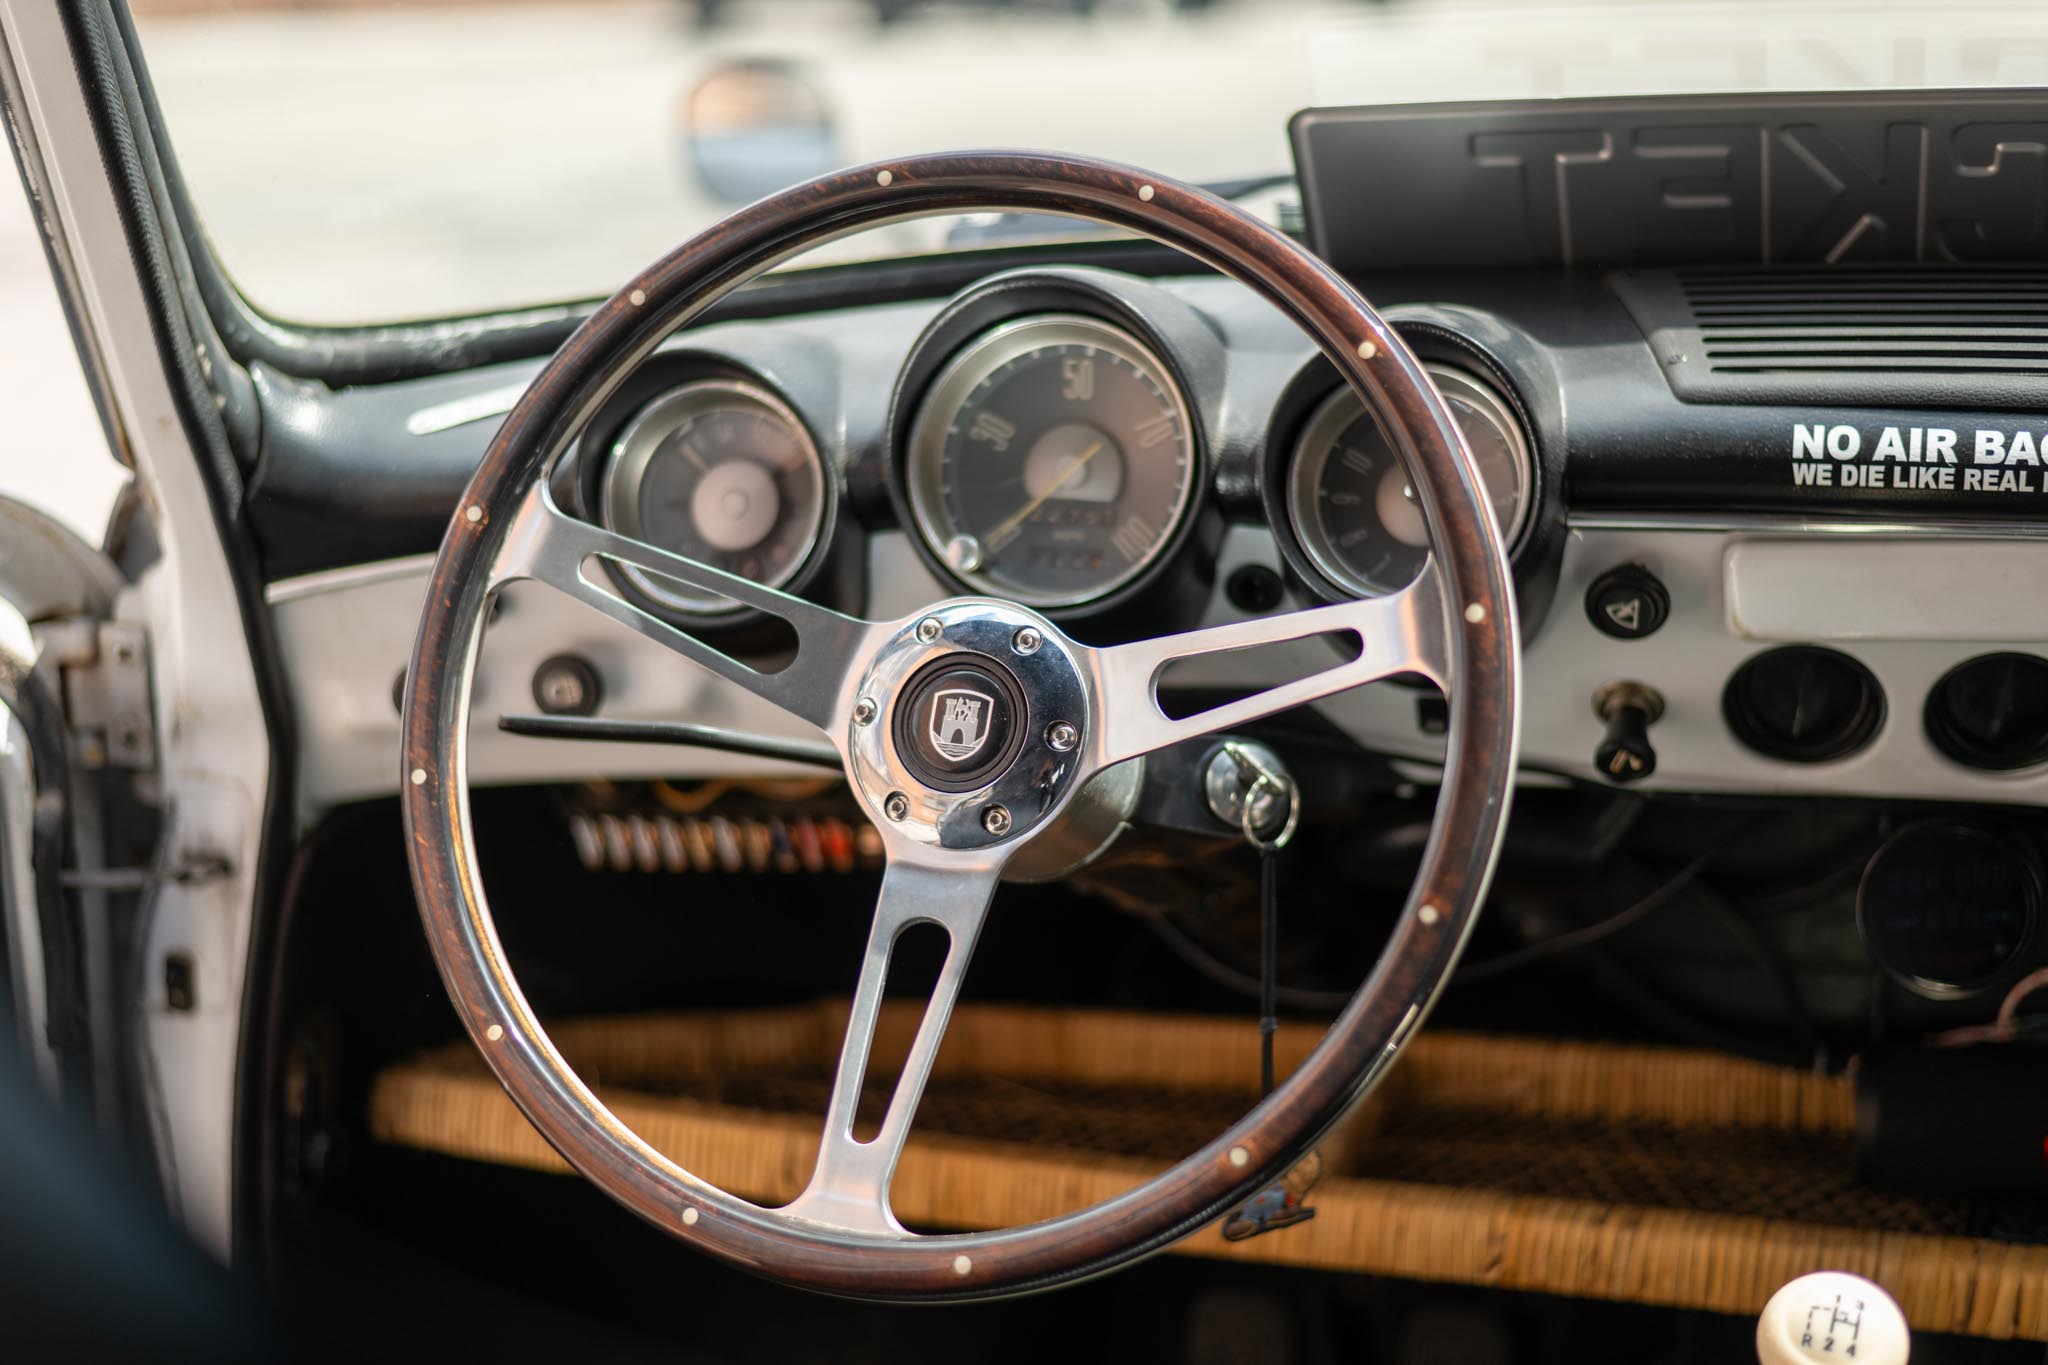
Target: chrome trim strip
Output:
{"points": [[1797, 523], [457, 412], [350, 576]]}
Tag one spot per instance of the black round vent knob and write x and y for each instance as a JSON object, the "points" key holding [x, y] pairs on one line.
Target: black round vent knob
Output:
{"points": [[1803, 704], [1991, 712], [568, 685]]}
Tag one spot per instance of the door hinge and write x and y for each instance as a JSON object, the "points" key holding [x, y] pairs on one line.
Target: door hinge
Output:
{"points": [[104, 666]]}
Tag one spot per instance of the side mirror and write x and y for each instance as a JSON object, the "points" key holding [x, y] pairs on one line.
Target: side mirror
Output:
{"points": [[756, 126]]}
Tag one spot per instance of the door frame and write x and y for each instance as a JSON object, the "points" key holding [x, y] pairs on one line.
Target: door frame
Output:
{"points": [[81, 145]]}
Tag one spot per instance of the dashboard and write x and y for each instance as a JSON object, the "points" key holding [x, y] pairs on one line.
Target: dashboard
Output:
{"points": [[1136, 453]]}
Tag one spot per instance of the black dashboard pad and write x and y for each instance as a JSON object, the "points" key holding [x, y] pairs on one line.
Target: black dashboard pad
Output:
{"points": [[1864, 177]]}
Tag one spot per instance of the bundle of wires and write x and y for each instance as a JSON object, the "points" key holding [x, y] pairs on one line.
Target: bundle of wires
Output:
{"points": [[2009, 1026]]}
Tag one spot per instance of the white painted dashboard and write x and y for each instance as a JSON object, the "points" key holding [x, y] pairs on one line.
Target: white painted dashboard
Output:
{"points": [[346, 635]]}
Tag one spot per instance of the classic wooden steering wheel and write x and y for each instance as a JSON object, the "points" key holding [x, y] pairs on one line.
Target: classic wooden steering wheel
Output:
{"points": [[851, 678]]}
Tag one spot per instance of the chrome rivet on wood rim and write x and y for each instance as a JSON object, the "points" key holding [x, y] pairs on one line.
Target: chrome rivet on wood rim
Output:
{"points": [[1368, 349], [1427, 914], [637, 297], [689, 1218], [1145, 193], [419, 777], [495, 1032], [475, 513], [961, 1265], [884, 178], [1240, 1157], [1475, 613]]}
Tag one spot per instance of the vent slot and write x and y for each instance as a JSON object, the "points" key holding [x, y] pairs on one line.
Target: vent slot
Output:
{"points": [[1946, 336]]}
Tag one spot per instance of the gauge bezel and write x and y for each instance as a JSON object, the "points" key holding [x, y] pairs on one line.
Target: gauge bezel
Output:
{"points": [[1882, 950], [972, 364], [1317, 442], [632, 450]]}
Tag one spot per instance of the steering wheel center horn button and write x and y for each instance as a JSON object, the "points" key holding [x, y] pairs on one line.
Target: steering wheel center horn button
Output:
{"points": [[960, 722], [962, 736]]}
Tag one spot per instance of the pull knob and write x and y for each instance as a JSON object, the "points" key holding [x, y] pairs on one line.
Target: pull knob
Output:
{"points": [[1629, 709], [1832, 1316]]}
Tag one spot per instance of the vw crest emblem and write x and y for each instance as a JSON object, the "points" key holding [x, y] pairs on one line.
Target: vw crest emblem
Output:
{"points": [[958, 723]]}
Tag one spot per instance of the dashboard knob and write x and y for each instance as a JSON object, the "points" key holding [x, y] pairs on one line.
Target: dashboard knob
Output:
{"points": [[1832, 1316], [567, 685], [1629, 709], [1627, 603]]}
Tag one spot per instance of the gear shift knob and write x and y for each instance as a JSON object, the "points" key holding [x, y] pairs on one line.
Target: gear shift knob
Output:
{"points": [[1832, 1318]]}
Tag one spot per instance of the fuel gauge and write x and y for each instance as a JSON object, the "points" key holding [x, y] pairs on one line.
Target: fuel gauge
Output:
{"points": [[1353, 506], [724, 473]]}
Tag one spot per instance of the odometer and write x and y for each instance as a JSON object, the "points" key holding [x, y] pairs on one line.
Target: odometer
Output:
{"points": [[1051, 462]]}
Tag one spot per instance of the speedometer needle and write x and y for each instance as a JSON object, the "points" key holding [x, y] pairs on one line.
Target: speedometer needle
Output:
{"points": [[1074, 466]]}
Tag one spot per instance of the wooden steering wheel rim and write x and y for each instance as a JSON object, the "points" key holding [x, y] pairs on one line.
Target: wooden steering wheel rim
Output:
{"points": [[1482, 656]]}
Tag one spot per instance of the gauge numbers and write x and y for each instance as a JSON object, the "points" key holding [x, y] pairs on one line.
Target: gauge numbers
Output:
{"points": [[1051, 462], [722, 472], [1353, 506]]}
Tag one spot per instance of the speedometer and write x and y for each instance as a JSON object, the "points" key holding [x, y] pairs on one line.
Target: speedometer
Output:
{"points": [[1353, 506], [1052, 461]]}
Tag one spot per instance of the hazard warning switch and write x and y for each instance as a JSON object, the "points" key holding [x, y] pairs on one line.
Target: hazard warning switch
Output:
{"points": [[1629, 710], [1627, 602]]}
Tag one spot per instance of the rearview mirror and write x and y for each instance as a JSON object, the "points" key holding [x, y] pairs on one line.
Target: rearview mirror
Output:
{"points": [[755, 126]]}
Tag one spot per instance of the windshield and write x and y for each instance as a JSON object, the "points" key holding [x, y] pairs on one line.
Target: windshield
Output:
{"points": [[367, 162]]}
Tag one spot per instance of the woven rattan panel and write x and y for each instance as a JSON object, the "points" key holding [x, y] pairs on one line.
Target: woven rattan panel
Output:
{"points": [[1637, 1174], [1763, 1172], [1122, 1120], [1803, 1177]]}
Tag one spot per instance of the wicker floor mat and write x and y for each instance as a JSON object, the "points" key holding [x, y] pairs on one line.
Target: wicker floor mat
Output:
{"points": [[1636, 1174]]}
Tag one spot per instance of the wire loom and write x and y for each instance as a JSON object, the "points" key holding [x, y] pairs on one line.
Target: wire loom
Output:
{"points": [[1649, 1175]]}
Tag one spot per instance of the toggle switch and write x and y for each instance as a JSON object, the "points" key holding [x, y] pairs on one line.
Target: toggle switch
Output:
{"points": [[1629, 710]]}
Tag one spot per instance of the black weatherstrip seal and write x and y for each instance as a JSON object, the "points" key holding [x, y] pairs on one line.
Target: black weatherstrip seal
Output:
{"points": [[102, 46], [41, 720], [391, 352]]}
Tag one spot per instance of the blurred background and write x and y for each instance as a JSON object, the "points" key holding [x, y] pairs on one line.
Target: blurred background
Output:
{"points": [[363, 160]]}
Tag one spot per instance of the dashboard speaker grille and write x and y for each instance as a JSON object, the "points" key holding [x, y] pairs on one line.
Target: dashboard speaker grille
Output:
{"points": [[1913, 336]]}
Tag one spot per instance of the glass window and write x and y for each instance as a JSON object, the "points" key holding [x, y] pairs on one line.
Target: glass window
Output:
{"points": [[364, 160]]}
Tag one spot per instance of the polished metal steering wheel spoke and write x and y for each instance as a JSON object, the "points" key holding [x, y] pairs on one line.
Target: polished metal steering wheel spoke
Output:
{"points": [[548, 545], [1403, 632], [849, 1188]]}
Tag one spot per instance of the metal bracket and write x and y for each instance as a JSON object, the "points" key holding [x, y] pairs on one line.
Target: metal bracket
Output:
{"points": [[105, 670], [190, 869]]}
